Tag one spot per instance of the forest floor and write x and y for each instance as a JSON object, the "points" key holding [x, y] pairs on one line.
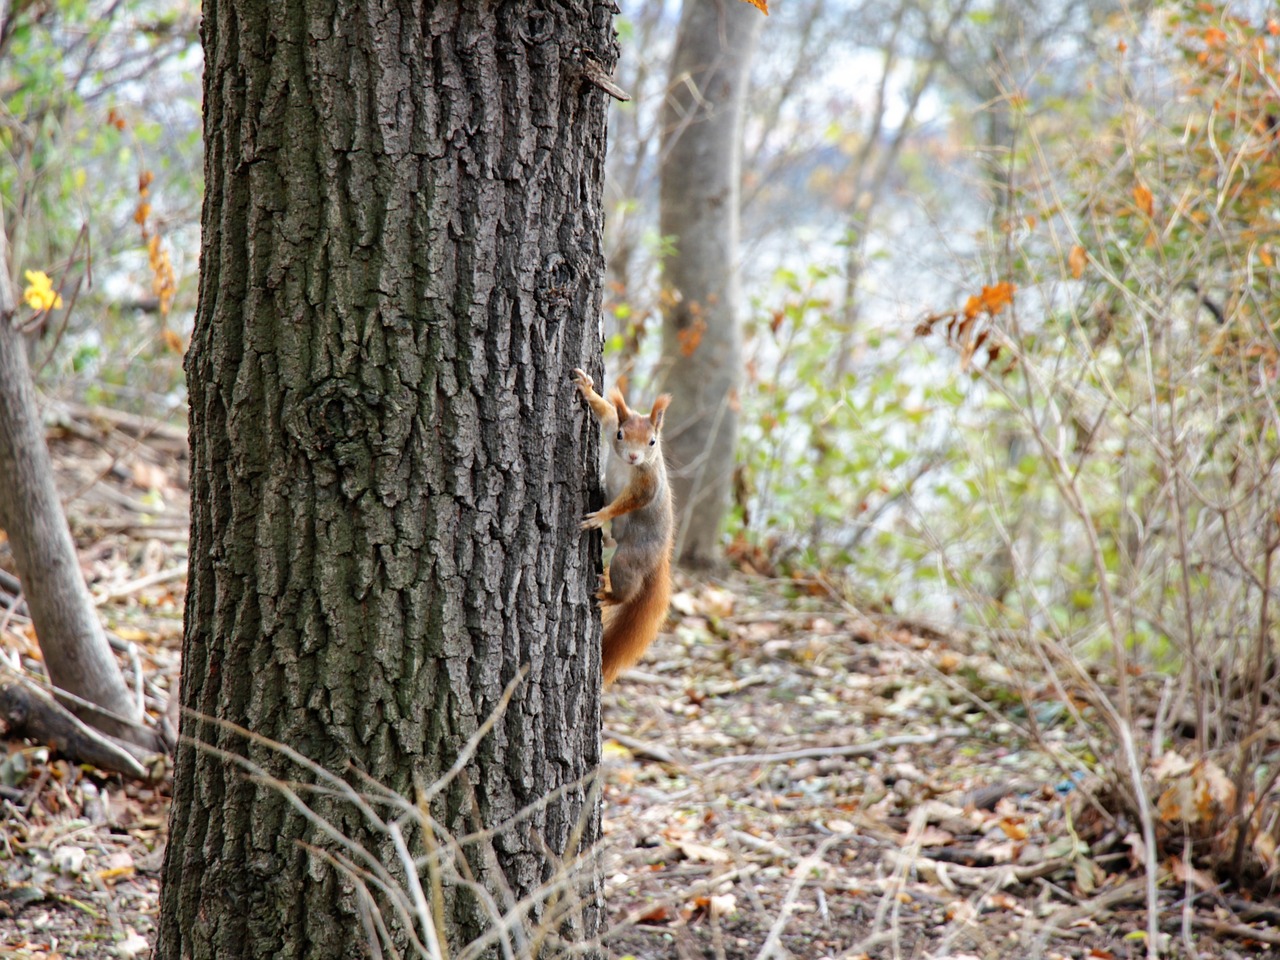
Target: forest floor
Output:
{"points": [[785, 776]]}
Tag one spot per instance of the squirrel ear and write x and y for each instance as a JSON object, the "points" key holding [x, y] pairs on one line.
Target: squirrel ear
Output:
{"points": [[615, 397], [659, 408]]}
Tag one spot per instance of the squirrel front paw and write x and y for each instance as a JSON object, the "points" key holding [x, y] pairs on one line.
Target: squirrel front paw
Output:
{"points": [[592, 521], [582, 380]]}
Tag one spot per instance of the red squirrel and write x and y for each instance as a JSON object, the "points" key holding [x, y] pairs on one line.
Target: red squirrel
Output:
{"points": [[636, 587]]}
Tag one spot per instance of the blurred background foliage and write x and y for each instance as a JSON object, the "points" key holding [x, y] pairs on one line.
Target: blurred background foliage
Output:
{"points": [[102, 182]]}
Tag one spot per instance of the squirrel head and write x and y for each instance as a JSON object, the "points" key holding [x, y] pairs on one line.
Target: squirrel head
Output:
{"points": [[636, 440]]}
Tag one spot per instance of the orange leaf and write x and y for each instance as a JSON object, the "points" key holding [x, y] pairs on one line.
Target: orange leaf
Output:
{"points": [[1013, 829], [144, 181], [761, 5], [691, 336], [173, 341], [1214, 37], [1142, 197], [1076, 261], [996, 298], [140, 215]]}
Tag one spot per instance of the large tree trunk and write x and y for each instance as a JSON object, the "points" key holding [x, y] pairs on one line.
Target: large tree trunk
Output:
{"points": [[75, 650], [402, 263], [698, 209]]}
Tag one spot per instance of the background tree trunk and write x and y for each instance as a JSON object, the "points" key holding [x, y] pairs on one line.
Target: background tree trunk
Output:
{"points": [[402, 263], [698, 210], [75, 649]]}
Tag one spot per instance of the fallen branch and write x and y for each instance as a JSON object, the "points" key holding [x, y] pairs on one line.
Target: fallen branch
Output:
{"points": [[999, 876], [133, 586], [30, 711], [643, 748], [1239, 931]]}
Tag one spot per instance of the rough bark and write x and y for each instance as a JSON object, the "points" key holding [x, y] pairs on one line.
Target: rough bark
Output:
{"points": [[402, 263], [698, 210], [75, 649]]}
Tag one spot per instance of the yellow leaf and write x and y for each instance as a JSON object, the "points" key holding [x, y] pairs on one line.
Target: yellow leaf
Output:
{"points": [[115, 873], [39, 293], [1076, 261], [140, 215]]}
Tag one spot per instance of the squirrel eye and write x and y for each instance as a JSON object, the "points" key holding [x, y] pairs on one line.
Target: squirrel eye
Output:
{"points": [[619, 434], [653, 441]]}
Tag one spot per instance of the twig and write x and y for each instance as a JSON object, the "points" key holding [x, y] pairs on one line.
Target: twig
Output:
{"points": [[133, 586], [643, 748], [854, 750]]}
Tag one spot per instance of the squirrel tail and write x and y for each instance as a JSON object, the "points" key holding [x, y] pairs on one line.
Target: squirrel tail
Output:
{"points": [[630, 627]]}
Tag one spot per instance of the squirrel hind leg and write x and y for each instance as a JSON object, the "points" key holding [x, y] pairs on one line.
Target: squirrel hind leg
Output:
{"points": [[621, 582]]}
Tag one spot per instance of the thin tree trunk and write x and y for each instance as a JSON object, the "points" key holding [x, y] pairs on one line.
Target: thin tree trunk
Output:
{"points": [[699, 200], [75, 649], [402, 264]]}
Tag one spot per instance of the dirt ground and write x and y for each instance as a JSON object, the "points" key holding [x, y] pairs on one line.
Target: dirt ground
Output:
{"points": [[785, 777]]}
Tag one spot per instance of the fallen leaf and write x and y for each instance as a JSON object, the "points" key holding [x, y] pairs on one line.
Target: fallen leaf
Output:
{"points": [[1170, 765], [701, 853], [1013, 829], [1186, 873]]}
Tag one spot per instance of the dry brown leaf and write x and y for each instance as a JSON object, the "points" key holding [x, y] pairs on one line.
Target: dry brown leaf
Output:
{"points": [[701, 853], [1218, 785], [1185, 873], [1170, 765], [1178, 803], [936, 837], [1264, 845]]}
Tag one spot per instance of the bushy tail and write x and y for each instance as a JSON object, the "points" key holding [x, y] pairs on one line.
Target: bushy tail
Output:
{"points": [[631, 626]]}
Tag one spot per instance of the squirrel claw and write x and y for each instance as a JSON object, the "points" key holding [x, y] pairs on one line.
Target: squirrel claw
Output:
{"points": [[582, 380], [592, 521]]}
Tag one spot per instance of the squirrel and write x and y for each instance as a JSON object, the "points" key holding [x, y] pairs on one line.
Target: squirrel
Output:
{"points": [[636, 587]]}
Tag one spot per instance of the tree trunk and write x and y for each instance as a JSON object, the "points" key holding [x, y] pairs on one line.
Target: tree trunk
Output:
{"points": [[402, 263], [698, 210], [75, 650]]}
